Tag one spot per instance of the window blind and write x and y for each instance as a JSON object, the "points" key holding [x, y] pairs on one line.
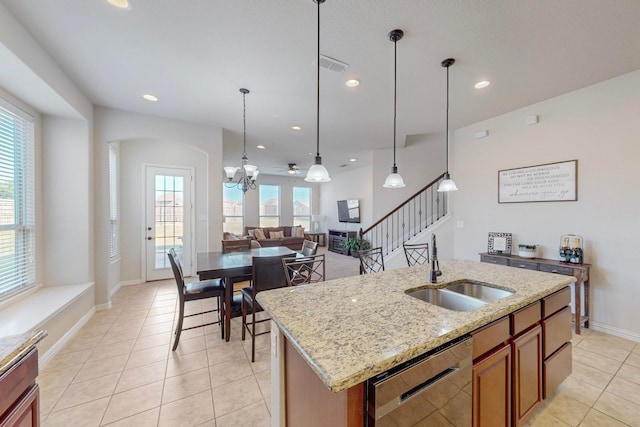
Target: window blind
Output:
{"points": [[113, 202], [17, 200]]}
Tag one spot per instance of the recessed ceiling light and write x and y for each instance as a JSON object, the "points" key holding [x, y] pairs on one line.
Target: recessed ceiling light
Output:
{"points": [[149, 97], [482, 84], [352, 160], [296, 127], [352, 82], [260, 147], [122, 4]]}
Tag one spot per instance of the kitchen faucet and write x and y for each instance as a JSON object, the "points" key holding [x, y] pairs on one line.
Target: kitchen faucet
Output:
{"points": [[435, 265]]}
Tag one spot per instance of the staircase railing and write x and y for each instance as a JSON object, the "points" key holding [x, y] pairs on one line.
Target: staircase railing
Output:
{"points": [[407, 220]]}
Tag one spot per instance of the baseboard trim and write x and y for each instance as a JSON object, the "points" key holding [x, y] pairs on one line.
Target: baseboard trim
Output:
{"points": [[105, 306], [612, 330], [131, 282], [55, 348]]}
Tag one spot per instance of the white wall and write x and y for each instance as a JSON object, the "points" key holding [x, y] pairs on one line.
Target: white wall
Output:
{"points": [[159, 141], [599, 127]]}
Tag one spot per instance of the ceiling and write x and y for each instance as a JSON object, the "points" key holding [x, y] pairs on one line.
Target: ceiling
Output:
{"points": [[194, 55]]}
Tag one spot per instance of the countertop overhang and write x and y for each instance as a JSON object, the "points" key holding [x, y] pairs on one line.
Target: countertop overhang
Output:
{"points": [[351, 329]]}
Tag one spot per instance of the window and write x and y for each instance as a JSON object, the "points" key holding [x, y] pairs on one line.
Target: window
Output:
{"points": [[269, 205], [302, 207], [232, 210], [17, 200], [114, 247]]}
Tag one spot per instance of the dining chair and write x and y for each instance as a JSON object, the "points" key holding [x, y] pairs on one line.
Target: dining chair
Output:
{"points": [[301, 271], [371, 260], [193, 291], [309, 248], [240, 245], [267, 274], [416, 254]]}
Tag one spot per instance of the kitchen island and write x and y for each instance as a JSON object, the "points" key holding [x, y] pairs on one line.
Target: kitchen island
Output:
{"points": [[352, 329]]}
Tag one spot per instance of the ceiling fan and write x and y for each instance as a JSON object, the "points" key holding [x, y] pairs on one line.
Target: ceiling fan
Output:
{"points": [[292, 169]]}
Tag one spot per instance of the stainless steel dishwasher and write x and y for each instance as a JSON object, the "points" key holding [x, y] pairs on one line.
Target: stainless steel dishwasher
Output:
{"points": [[431, 390]]}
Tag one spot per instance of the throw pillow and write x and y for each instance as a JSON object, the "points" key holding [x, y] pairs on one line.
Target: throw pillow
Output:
{"points": [[252, 233], [297, 231], [259, 233], [229, 236], [255, 244], [276, 235]]}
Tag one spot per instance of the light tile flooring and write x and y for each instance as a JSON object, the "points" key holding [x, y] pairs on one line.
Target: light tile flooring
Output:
{"points": [[119, 370]]}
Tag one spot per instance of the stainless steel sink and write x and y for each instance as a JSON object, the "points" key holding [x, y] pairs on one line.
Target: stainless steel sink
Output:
{"points": [[447, 299], [478, 290], [464, 295]]}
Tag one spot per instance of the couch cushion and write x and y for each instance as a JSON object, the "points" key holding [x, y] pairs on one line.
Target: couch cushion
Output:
{"points": [[297, 231], [276, 234], [269, 230], [259, 234]]}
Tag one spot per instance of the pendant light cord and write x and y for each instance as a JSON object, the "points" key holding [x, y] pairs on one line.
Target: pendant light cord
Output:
{"points": [[447, 121], [395, 91], [318, 89], [244, 123]]}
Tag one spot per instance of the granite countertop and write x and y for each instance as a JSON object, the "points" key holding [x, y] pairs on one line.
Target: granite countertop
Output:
{"points": [[14, 347], [350, 329]]}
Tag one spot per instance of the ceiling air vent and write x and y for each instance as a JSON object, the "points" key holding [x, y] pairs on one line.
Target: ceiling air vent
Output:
{"points": [[343, 166], [332, 64]]}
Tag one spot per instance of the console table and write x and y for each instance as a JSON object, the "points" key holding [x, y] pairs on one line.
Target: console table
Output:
{"points": [[337, 239], [579, 271], [319, 238]]}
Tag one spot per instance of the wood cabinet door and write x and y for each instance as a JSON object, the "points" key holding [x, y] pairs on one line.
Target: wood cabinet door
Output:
{"points": [[527, 374], [492, 389]]}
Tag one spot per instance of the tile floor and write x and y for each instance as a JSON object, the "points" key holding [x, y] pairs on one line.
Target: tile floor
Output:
{"points": [[119, 370]]}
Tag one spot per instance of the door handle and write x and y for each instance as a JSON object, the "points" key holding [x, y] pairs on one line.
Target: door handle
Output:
{"points": [[149, 238]]}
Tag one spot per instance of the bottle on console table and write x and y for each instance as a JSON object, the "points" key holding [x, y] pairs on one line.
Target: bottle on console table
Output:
{"points": [[576, 252], [565, 250]]}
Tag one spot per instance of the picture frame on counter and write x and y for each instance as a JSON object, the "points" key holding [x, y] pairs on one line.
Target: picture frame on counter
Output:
{"points": [[499, 243], [549, 182]]}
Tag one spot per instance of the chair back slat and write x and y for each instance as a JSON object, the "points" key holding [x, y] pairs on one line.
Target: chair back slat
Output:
{"points": [[309, 248], [268, 273], [416, 254], [371, 260], [176, 266], [301, 271]]}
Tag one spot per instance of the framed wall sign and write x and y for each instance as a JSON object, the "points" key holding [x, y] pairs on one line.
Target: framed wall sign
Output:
{"points": [[499, 243], [551, 182]]}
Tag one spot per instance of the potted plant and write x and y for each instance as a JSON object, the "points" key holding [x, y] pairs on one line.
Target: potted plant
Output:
{"points": [[528, 251], [354, 244]]}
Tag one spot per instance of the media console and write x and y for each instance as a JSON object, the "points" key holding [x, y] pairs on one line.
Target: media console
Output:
{"points": [[337, 239]]}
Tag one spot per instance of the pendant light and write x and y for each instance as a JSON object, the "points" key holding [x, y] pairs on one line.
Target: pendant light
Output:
{"points": [[394, 179], [248, 173], [447, 184], [317, 172]]}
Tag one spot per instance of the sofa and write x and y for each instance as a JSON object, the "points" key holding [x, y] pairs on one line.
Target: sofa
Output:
{"points": [[271, 236]]}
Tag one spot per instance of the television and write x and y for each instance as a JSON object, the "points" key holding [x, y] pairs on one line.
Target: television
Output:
{"points": [[349, 211]]}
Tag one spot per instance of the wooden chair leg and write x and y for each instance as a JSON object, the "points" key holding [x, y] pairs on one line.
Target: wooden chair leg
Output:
{"points": [[179, 325], [253, 332], [221, 314], [244, 317]]}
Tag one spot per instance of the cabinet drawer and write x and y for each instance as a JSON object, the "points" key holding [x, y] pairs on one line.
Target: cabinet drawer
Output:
{"points": [[558, 269], [555, 301], [524, 318], [490, 336], [556, 330], [16, 380], [556, 369], [529, 265], [494, 260]]}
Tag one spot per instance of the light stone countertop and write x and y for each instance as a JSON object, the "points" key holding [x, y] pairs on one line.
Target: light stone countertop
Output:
{"points": [[351, 329], [13, 348]]}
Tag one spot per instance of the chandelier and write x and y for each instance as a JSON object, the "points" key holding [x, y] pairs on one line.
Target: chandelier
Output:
{"points": [[246, 173]]}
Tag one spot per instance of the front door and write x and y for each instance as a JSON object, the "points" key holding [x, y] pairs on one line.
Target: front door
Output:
{"points": [[167, 220]]}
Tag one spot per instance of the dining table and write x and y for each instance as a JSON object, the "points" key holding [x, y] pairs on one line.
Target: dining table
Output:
{"points": [[227, 266]]}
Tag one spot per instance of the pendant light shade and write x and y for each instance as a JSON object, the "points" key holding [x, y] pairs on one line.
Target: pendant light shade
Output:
{"points": [[317, 172], [447, 184], [394, 179]]}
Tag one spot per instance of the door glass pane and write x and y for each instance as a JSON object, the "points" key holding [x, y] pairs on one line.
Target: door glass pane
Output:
{"points": [[169, 217]]}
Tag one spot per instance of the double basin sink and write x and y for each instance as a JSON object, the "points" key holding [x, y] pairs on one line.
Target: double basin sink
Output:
{"points": [[461, 295]]}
